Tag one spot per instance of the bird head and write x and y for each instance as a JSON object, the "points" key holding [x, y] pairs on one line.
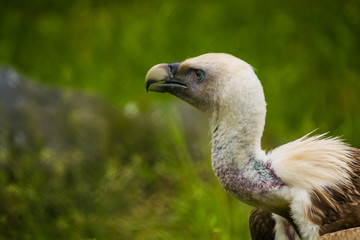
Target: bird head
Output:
{"points": [[211, 82]]}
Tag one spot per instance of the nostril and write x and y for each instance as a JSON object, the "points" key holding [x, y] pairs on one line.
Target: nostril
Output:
{"points": [[173, 67]]}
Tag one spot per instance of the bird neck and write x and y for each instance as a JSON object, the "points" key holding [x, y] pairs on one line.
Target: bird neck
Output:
{"points": [[236, 142], [239, 163], [236, 133]]}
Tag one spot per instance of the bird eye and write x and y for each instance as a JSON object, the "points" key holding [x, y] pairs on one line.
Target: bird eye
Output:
{"points": [[199, 75]]}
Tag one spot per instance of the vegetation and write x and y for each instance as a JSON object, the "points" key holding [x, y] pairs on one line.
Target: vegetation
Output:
{"points": [[137, 165]]}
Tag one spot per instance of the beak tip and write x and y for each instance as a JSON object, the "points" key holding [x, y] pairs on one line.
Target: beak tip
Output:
{"points": [[156, 74]]}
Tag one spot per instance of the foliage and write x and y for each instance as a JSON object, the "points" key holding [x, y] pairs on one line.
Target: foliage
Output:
{"points": [[151, 176]]}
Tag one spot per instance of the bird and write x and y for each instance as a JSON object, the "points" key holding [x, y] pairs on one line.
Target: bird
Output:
{"points": [[305, 189]]}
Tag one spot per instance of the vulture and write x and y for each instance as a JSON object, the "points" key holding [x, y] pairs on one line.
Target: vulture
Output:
{"points": [[305, 189]]}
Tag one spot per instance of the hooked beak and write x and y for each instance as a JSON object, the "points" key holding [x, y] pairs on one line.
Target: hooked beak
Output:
{"points": [[161, 78]]}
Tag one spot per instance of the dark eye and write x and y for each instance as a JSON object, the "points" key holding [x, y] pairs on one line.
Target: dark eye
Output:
{"points": [[199, 75]]}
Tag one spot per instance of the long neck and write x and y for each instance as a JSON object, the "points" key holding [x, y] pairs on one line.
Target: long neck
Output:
{"points": [[237, 138], [237, 130], [237, 159]]}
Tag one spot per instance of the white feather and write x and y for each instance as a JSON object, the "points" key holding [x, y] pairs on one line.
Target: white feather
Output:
{"points": [[280, 228], [299, 206], [312, 162]]}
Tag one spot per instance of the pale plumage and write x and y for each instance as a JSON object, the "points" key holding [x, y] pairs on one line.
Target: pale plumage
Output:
{"points": [[313, 162], [311, 185]]}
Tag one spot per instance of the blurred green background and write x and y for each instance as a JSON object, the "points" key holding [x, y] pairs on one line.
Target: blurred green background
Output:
{"points": [[86, 153]]}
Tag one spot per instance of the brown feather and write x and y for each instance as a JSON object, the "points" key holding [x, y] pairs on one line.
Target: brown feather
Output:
{"points": [[338, 208], [261, 225]]}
